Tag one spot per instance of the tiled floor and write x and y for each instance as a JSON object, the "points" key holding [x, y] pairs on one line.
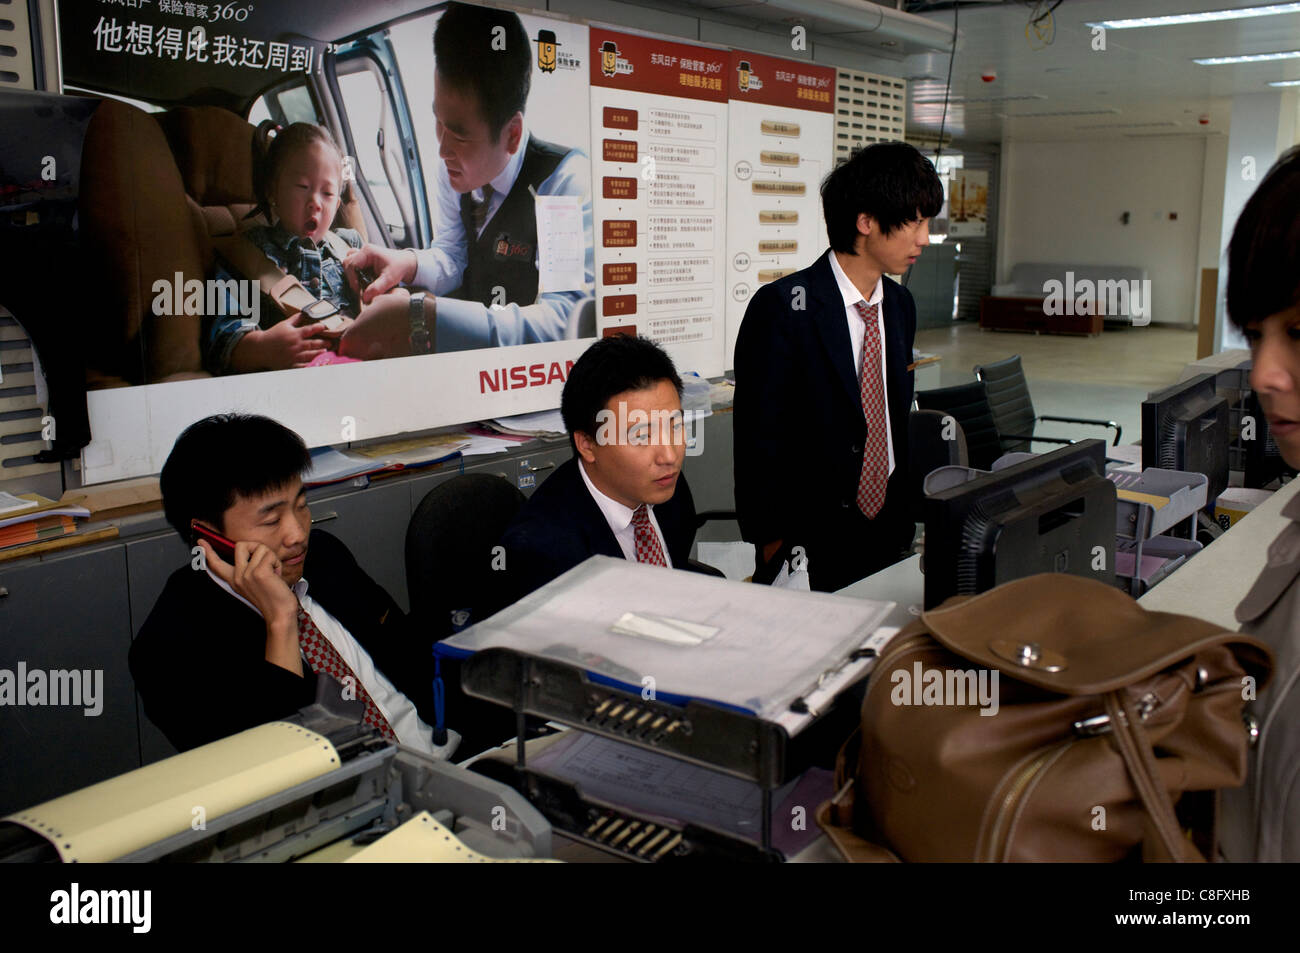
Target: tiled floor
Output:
{"points": [[1103, 377]]}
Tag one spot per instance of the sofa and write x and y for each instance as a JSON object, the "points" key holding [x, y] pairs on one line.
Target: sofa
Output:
{"points": [[1121, 294]]}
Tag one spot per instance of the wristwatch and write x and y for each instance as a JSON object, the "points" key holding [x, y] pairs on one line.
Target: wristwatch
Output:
{"points": [[421, 337]]}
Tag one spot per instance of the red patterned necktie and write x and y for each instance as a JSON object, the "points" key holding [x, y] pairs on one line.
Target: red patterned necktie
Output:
{"points": [[324, 659], [875, 451], [648, 549]]}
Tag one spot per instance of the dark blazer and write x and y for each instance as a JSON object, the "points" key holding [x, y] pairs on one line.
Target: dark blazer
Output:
{"points": [[799, 426], [561, 525], [199, 661]]}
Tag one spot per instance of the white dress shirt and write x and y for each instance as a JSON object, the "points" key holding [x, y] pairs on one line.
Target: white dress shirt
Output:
{"points": [[858, 331], [470, 324], [402, 717], [619, 518]]}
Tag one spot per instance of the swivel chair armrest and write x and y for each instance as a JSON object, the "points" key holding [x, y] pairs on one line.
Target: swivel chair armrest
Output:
{"points": [[1086, 420]]}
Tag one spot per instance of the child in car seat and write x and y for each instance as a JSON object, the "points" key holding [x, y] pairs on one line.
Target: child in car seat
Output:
{"points": [[299, 183]]}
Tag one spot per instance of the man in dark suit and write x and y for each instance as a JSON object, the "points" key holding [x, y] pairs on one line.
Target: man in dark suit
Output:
{"points": [[623, 493], [823, 381], [236, 642]]}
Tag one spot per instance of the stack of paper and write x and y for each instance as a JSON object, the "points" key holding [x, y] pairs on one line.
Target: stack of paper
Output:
{"points": [[544, 423], [30, 518], [684, 635]]}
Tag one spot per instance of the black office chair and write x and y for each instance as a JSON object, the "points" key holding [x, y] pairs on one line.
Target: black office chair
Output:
{"points": [[449, 544], [1013, 409], [931, 445], [969, 406]]}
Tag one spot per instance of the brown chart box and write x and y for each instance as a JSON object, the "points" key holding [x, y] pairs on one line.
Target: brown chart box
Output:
{"points": [[618, 187], [619, 118], [773, 127], [768, 187], [778, 217], [767, 157], [771, 274], [618, 150], [619, 273], [618, 233], [617, 304], [777, 246]]}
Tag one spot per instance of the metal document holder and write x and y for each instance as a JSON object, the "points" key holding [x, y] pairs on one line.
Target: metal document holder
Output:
{"points": [[734, 743], [1139, 526]]}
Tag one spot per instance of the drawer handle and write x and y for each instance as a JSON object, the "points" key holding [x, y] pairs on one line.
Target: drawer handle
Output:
{"points": [[324, 519], [4, 591], [544, 466]]}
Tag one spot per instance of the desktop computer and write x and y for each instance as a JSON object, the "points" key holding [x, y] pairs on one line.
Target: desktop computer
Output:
{"points": [[1052, 513], [1185, 427]]}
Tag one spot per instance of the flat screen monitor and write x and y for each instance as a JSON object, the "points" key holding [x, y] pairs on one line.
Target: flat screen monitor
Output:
{"points": [[1052, 513], [1185, 427]]}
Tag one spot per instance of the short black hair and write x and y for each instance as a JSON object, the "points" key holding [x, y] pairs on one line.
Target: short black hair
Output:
{"points": [[468, 55], [223, 457], [1264, 253], [611, 366], [890, 181]]}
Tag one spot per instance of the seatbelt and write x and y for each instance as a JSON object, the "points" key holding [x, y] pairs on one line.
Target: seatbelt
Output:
{"points": [[285, 290]]}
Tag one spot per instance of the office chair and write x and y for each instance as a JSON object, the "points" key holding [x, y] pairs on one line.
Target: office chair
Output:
{"points": [[930, 446], [968, 404], [1013, 409], [449, 544]]}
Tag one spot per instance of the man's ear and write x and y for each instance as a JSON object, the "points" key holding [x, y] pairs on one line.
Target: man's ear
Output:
{"points": [[586, 446], [867, 224], [514, 132]]}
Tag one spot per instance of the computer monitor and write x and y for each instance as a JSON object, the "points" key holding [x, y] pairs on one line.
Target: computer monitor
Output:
{"points": [[1052, 513], [1185, 427]]}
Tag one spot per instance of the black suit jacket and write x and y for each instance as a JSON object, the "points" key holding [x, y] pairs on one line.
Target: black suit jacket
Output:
{"points": [[799, 425], [561, 525], [199, 661]]}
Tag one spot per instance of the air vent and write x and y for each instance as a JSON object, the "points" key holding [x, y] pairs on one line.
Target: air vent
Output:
{"points": [[867, 91], [20, 414], [16, 70]]}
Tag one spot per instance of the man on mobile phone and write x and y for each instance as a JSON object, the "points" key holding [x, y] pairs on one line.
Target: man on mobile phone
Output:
{"points": [[236, 642]]}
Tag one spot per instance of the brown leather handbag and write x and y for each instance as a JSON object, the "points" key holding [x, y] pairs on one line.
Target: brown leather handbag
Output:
{"points": [[1091, 717]]}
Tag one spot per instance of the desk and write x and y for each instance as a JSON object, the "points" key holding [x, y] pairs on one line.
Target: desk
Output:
{"points": [[1212, 582]]}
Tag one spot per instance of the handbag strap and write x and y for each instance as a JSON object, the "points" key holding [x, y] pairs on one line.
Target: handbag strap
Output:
{"points": [[1140, 761]]}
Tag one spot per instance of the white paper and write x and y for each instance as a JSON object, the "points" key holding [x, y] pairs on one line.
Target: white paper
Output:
{"points": [[561, 243], [540, 422], [12, 504]]}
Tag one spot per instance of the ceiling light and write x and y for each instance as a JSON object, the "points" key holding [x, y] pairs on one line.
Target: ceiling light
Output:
{"points": [[1285, 82], [1209, 16], [1248, 58]]}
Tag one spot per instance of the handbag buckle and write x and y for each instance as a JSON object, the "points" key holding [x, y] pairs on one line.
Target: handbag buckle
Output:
{"points": [[1029, 655]]}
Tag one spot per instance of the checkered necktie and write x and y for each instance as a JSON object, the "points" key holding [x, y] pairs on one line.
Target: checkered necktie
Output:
{"points": [[480, 211], [324, 659], [648, 549], [875, 451]]}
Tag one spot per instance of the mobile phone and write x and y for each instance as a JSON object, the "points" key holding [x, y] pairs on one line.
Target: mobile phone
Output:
{"points": [[220, 545]]}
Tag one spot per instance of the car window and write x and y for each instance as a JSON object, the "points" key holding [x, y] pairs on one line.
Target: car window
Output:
{"points": [[373, 133]]}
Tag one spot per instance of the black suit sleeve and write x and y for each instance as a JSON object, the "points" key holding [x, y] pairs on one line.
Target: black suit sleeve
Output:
{"points": [[767, 370], [199, 664]]}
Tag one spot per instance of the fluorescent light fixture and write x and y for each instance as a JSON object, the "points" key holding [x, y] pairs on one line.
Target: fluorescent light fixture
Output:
{"points": [[1209, 16], [1285, 82], [1248, 58]]}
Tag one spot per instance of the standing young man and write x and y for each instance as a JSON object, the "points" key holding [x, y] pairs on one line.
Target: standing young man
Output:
{"points": [[823, 385], [481, 271]]}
